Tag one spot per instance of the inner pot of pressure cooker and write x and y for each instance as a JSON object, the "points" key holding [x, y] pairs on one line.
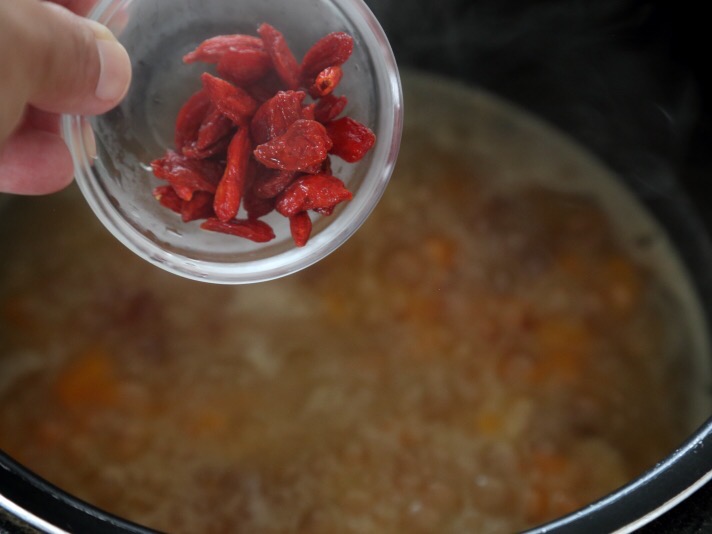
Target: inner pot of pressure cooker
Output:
{"points": [[519, 329]]}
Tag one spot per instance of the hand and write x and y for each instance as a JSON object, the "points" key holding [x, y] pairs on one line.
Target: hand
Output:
{"points": [[53, 62]]}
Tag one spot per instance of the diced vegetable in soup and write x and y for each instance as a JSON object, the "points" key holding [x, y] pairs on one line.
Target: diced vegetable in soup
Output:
{"points": [[490, 351]]}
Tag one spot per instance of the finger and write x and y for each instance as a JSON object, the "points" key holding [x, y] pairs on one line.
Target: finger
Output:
{"points": [[71, 64], [34, 162], [36, 119], [80, 7]]}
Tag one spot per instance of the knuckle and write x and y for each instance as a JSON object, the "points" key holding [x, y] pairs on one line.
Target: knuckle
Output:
{"points": [[67, 62]]}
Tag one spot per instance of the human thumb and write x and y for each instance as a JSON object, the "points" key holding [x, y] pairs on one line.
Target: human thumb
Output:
{"points": [[71, 64]]}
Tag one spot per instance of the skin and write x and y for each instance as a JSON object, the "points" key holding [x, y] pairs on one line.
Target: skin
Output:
{"points": [[59, 63]]}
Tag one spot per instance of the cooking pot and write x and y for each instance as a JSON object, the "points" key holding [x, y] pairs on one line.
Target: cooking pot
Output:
{"points": [[626, 79]]}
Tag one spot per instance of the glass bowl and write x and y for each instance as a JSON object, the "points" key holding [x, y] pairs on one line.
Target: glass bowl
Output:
{"points": [[118, 181]]}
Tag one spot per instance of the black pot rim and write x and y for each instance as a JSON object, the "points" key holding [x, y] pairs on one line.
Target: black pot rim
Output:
{"points": [[647, 497], [33, 501]]}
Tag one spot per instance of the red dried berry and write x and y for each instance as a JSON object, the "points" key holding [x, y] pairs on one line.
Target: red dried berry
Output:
{"points": [[251, 229], [277, 114], [213, 135], [168, 198], [198, 207], [351, 139], [187, 175], [217, 149], [300, 226], [308, 112], [265, 88], [229, 192], [183, 192], [213, 173], [211, 50], [190, 117], [244, 66], [304, 145], [330, 51], [326, 166], [329, 107], [325, 211], [312, 192], [326, 81], [255, 206], [282, 58], [233, 102], [215, 127], [322, 168], [271, 184]]}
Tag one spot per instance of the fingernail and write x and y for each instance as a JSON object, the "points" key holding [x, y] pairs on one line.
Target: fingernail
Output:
{"points": [[115, 74], [89, 139]]}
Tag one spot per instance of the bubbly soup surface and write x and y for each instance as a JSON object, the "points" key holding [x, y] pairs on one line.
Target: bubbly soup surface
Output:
{"points": [[488, 352]]}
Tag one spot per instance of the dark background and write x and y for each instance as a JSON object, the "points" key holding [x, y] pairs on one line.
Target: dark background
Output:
{"points": [[628, 78]]}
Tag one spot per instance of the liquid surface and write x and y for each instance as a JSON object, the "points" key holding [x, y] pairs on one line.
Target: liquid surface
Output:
{"points": [[490, 351]]}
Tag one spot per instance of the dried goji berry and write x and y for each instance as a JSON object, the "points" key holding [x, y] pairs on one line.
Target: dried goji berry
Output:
{"points": [[282, 58], [184, 192], [311, 192], [300, 226], [308, 112], [329, 107], [215, 126], [265, 88], [190, 117], [329, 51], [255, 206], [187, 173], [351, 139], [212, 136], [275, 115], [211, 50], [218, 148], [304, 145], [326, 81], [244, 66], [247, 139], [326, 166], [273, 183], [168, 198], [252, 229], [325, 211], [198, 207], [231, 187], [233, 102]]}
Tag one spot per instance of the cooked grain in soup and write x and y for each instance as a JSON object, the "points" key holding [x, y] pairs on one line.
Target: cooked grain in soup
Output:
{"points": [[506, 339]]}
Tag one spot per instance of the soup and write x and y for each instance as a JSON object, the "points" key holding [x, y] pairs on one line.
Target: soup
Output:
{"points": [[508, 337]]}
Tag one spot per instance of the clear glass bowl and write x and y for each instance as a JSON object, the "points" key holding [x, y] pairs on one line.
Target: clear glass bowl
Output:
{"points": [[118, 181]]}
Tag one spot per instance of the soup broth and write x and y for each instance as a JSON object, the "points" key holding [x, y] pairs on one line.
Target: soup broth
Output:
{"points": [[507, 338]]}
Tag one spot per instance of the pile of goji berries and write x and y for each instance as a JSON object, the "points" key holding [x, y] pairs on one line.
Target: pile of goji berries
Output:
{"points": [[249, 139]]}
